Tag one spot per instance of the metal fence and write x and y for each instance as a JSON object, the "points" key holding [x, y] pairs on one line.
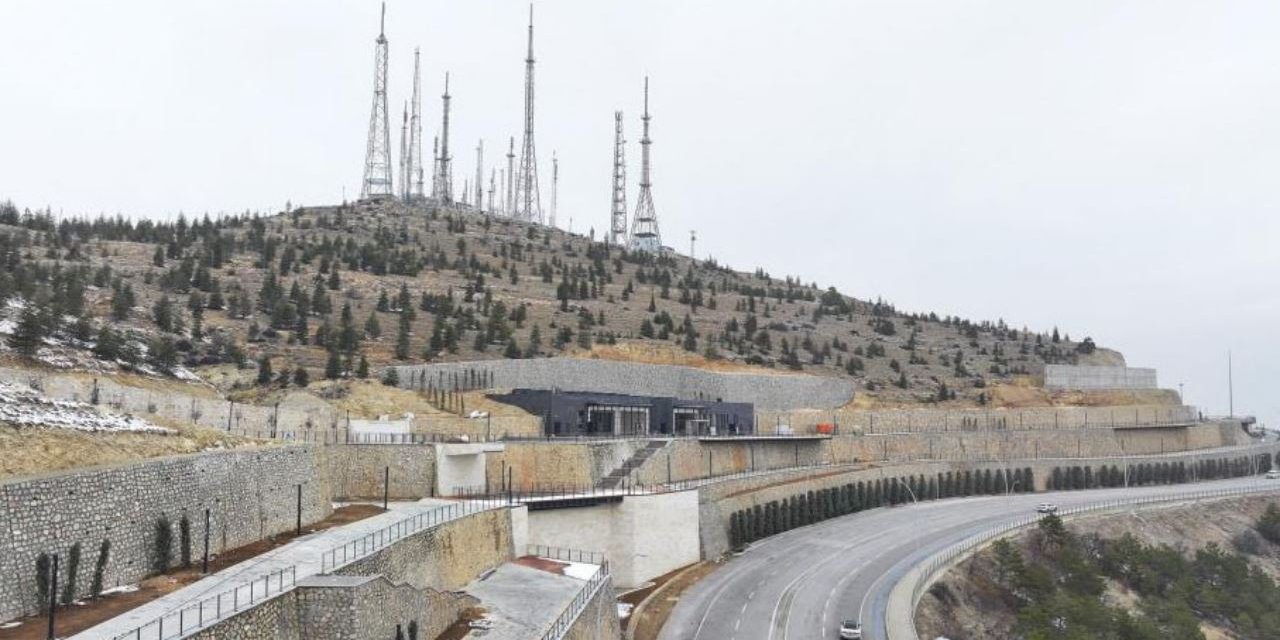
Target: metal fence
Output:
{"points": [[567, 555], [374, 541], [205, 612], [563, 622], [944, 559]]}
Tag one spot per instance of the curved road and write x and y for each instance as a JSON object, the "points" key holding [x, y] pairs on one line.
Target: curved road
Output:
{"points": [[800, 584]]}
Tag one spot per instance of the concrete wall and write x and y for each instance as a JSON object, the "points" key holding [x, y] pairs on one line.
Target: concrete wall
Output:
{"points": [[772, 391], [689, 459], [462, 466], [643, 536], [251, 494], [1085, 378], [445, 557], [356, 471]]}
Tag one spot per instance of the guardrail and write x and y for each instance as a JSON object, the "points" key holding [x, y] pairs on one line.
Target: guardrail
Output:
{"points": [[567, 555], [924, 576], [194, 617], [563, 622], [374, 541]]}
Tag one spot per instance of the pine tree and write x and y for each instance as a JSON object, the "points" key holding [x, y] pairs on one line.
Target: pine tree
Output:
{"points": [[26, 337], [362, 371], [372, 328], [402, 336], [333, 366], [264, 371], [301, 378]]}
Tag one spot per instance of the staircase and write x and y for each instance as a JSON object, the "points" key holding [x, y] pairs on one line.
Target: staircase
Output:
{"points": [[615, 477]]}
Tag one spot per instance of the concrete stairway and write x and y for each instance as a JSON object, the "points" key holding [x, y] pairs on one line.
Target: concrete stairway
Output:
{"points": [[615, 477]]}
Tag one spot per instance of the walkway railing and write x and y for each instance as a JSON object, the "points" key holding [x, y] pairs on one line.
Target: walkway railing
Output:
{"points": [[563, 622], [567, 555], [897, 628], [180, 622], [371, 543]]}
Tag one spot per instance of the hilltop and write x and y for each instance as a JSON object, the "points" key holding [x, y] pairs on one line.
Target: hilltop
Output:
{"points": [[342, 291]]}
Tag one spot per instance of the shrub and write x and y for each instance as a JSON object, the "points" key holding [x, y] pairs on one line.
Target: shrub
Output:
{"points": [[100, 568], [184, 540], [1247, 542], [43, 564], [1268, 524], [162, 549], [73, 568]]}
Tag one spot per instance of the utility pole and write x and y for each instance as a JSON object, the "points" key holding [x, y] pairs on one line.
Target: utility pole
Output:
{"points": [[1231, 388]]}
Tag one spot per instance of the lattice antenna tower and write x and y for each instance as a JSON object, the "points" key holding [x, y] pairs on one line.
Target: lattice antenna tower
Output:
{"points": [[529, 203], [479, 195], [555, 187], [644, 224], [404, 154], [618, 212], [445, 166], [435, 168], [377, 156], [511, 177], [493, 182], [415, 132]]}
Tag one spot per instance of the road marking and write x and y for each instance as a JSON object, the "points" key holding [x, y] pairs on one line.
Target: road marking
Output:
{"points": [[719, 592]]}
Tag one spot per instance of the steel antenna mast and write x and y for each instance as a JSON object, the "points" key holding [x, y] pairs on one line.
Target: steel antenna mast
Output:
{"points": [[377, 156], [529, 205], [555, 187], [480, 177], [404, 154], [644, 230], [415, 132], [618, 213], [511, 177], [446, 171]]}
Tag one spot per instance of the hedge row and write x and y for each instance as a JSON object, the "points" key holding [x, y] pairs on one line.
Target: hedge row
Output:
{"points": [[801, 509], [1152, 473]]}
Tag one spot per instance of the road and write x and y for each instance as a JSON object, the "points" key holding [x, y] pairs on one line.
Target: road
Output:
{"points": [[801, 584]]}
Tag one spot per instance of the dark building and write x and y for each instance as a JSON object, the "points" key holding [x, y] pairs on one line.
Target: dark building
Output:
{"points": [[575, 413]]}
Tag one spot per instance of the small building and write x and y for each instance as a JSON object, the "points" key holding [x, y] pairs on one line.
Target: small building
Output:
{"points": [[580, 413], [382, 426]]}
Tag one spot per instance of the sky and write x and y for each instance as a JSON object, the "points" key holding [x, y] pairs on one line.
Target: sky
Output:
{"points": [[1107, 167]]}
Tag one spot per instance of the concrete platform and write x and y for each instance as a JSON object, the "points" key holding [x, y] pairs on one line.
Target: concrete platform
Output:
{"points": [[523, 602]]}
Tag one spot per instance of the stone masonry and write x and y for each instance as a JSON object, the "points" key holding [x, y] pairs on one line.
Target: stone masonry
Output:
{"points": [[250, 494], [1086, 378]]}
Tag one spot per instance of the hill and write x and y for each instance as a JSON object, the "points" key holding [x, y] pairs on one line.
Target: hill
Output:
{"points": [[341, 291]]}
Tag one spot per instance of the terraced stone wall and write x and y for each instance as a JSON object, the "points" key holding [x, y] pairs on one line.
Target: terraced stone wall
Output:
{"points": [[250, 494]]}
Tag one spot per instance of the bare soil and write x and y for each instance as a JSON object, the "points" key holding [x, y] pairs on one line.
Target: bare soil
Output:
{"points": [[85, 614], [648, 623]]}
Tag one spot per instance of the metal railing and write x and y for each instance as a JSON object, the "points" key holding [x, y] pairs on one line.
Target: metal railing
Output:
{"points": [[567, 555], [203, 613], [372, 542], [563, 622], [939, 562]]}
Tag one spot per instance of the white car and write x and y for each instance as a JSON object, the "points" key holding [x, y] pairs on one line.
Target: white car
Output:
{"points": [[1046, 507], [1273, 474], [851, 630]]}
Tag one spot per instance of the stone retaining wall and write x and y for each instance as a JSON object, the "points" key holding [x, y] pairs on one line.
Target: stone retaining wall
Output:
{"points": [[251, 494], [599, 619], [445, 557], [1086, 378], [357, 471], [773, 391], [946, 420]]}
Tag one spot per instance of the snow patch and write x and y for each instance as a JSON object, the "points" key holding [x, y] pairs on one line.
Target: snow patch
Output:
{"points": [[581, 570], [24, 407], [125, 588], [624, 610]]}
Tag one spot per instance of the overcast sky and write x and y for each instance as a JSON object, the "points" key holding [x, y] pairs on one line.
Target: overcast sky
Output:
{"points": [[1109, 167]]}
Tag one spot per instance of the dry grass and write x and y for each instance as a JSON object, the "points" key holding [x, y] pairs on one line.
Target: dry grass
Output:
{"points": [[29, 451], [663, 353]]}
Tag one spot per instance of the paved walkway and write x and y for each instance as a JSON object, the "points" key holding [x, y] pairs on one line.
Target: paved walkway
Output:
{"points": [[304, 554]]}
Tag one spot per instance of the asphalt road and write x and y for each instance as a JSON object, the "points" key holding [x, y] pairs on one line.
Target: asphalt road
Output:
{"points": [[801, 584]]}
